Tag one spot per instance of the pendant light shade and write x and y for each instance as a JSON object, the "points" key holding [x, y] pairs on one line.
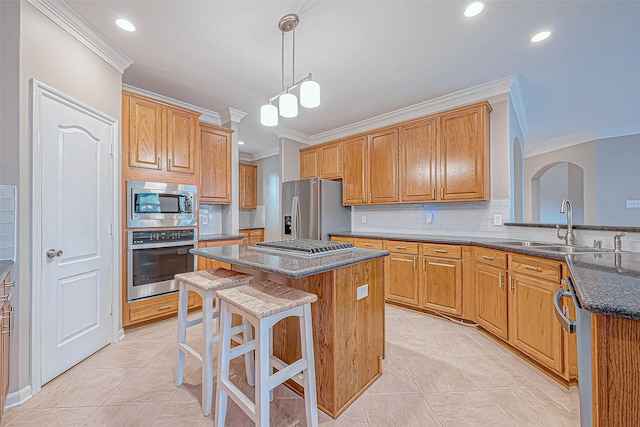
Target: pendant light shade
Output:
{"points": [[287, 101], [310, 94], [269, 115], [288, 105]]}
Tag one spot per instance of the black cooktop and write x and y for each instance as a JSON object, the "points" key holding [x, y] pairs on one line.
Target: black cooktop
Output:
{"points": [[307, 246]]}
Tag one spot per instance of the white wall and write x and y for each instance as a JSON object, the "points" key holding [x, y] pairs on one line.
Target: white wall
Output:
{"points": [[269, 195], [52, 56], [516, 139], [290, 159]]}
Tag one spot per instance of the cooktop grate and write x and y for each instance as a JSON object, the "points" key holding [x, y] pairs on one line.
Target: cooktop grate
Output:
{"points": [[306, 246]]}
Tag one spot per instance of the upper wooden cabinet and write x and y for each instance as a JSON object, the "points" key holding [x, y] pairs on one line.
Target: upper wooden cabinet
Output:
{"points": [[322, 161], [160, 141], [248, 186], [354, 171], [383, 166], [215, 164], [418, 155], [463, 153]]}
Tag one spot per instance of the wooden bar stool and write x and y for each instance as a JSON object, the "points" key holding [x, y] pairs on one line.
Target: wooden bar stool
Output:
{"points": [[206, 283], [263, 305]]}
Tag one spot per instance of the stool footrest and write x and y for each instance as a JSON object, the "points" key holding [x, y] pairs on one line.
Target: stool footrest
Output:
{"points": [[240, 398], [280, 365], [286, 373], [242, 349], [194, 322], [187, 348]]}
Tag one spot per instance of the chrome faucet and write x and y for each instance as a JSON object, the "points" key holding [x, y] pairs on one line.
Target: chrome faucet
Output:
{"points": [[569, 238], [617, 242]]}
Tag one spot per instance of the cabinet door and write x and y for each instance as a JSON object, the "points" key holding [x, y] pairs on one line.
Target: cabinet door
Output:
{"points": [[354, 170], [418, 168], [248, 186], [330, 157], [533, 326], [441, 288], [215, 165], [182, 134], [145, 134], [309, 164], [463, 153], [402, 278], [491, 299], [383, 166]]}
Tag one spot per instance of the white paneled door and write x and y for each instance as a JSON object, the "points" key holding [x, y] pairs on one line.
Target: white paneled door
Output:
{"points": [[76, 239]]}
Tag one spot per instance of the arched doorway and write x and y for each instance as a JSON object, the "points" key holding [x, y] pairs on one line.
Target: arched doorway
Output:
{"points": [[550, 185]]}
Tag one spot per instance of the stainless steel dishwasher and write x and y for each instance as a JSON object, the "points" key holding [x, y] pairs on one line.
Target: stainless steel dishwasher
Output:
{"points": [[582, 327]]}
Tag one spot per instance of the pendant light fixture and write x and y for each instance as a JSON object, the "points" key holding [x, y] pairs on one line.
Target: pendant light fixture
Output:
{"points": [[287, 100]]}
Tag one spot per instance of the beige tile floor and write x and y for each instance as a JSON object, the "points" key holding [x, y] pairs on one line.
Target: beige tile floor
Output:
{"points": [[436, 373]]}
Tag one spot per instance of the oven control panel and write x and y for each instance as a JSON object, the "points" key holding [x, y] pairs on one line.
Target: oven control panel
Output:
{"points": [[161, 236]]}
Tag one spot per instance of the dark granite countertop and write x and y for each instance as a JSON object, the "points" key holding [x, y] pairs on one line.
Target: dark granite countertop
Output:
{"points": [[606, 282], [294, 266], [212, 237], [613, 228], [5, 267]]}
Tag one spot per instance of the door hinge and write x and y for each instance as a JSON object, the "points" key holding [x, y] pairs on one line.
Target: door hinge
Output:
{"points": [[111, 228], [111, 309], [111, 149]]}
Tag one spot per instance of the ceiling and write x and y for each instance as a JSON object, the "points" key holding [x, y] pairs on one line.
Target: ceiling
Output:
{"points": [[373, 57]]}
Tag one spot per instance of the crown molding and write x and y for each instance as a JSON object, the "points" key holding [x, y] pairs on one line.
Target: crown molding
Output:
{"points": [[207, 116], [536, 149], [515, 96], [249, 157], [78, 27], [231, 115], [283, 132], [495, 91], [632, 130]]}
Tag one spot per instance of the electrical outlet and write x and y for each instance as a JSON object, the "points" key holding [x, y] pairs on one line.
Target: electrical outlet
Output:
{"points": [[428, 218], [362, 291], [497, 220], [363, 219], [204, 219]]}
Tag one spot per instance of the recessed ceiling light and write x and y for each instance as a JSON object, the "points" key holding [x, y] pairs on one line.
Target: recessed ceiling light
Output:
{"points": [[240, 142], [542, 35], [474, 9], [125, 25]]}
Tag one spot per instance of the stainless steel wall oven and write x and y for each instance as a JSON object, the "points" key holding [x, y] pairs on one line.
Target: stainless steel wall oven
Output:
{"points": [[154, 257]]}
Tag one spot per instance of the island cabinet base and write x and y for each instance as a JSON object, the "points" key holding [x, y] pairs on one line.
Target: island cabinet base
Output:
{"points": [[348, 333]]}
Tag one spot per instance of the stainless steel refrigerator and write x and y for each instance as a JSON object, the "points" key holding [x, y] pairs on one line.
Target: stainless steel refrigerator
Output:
{"points": [[312, 208]]}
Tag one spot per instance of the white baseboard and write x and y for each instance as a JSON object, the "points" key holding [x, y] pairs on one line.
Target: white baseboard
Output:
{"points": [[120, 334], [18, 398]]}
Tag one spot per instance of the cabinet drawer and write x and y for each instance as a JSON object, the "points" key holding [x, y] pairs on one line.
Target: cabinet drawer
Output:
{"points": [[244, 232], [401, 247], [367, 243], [167, 305], [256, 232], [491, 257], [342, 239], [442, 251], [255, 239], [536, 267]]}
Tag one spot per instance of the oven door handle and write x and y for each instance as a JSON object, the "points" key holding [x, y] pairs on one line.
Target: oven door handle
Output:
{"points": [[163, 245]]}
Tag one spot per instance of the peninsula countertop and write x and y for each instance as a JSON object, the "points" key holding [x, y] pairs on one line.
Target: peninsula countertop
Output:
{"points": [[285, 264], [606, 282]]}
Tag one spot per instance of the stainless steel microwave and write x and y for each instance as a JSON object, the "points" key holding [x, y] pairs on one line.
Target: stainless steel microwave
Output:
{"points": [[155, 204]]}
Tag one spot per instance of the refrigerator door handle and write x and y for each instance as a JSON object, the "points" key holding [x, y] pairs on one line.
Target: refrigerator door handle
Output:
{"points": [[295, 210]]}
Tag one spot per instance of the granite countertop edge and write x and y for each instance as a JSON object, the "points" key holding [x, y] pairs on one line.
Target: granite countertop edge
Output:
{"points": [[364, 255], [5, 267], [214, 237], [626, 228], [587, 285]]}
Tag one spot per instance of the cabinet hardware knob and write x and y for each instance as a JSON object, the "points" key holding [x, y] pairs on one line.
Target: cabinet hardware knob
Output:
{"points": [[530, 267], [442, 193], [164, 307], [490, 258], [501, 280], [401, 247], [441, 251], [424, 263], [433, 193]]}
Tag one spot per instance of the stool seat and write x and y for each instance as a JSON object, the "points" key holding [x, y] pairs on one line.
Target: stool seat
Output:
{"points": [[265, 299], [218, 278]]}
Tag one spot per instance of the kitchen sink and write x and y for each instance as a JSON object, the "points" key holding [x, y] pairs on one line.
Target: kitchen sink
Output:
{"points": [[523, 243], [570, 249]]}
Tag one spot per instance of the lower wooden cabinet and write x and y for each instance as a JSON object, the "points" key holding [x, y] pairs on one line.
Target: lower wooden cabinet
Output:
{"points": [[252, 235], [491, 299], [401, 284], [207, 263], [342, 239], [152, 308], [441, 285], [533, 326]]}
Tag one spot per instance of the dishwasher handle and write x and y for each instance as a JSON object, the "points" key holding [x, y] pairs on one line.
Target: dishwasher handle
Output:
{"points": [[566, 323]]}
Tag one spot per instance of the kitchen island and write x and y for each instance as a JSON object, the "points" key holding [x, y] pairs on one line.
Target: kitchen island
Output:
{"points": [[348, 318]]}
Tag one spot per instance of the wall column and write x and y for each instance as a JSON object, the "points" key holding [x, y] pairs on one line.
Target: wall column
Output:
{"points": [[230, 119]]}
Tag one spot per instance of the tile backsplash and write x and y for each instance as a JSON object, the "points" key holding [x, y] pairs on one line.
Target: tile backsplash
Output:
{"points": [[210, 219], [254, 218], [7, 222]]}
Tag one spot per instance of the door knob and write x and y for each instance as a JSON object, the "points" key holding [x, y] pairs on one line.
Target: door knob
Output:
{"points": [[52, 253]]}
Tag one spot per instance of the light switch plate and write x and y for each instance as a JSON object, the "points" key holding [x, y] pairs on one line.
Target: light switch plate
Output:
{"points": [[363, 291], [428, 218], [497, 220]]}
